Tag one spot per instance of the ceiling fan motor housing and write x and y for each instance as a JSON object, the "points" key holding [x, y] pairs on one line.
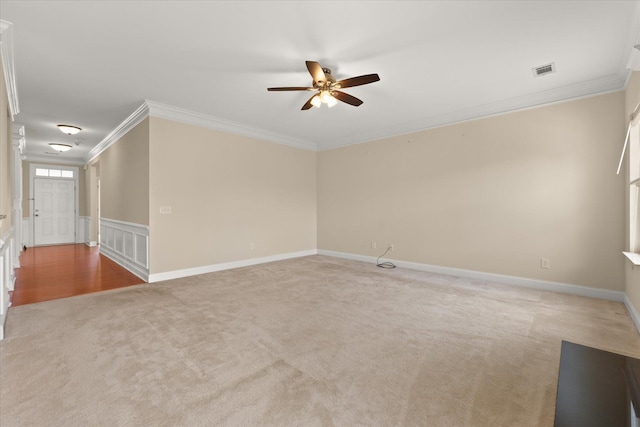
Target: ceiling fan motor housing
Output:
{"points": [[330, 80]]}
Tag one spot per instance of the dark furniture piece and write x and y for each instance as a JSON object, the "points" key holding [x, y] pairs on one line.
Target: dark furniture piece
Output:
{"points": [[597, 388]]}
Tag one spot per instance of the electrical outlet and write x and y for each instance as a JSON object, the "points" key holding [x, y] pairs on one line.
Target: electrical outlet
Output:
{"points": [[252, 246], [165, 210], [373, 245], [545, 263], [391, 247]]}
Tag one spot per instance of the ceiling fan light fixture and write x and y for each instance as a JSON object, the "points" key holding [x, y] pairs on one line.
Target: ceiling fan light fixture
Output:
{"points": [[327, 87], [69, 129], [60, 147], [326, 98]]}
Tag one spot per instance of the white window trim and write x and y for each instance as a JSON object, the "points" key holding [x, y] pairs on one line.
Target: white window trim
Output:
{"points": [[633, 131]]}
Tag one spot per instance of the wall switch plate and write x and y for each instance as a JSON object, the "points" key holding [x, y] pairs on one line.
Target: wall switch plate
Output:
{"points": [[165, 210], [373, 245]]}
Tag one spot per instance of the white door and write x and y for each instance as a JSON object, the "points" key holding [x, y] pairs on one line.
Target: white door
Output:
{"points": [[54, 211]]}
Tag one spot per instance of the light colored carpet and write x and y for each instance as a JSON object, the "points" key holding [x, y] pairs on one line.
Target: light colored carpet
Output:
{"points": [[315, 341]]}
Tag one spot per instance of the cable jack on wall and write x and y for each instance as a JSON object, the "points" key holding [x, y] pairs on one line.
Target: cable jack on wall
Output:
{"points": [[386, 264]]}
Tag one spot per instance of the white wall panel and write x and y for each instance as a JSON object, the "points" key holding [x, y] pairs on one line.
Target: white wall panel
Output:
{"points": [[7, 277], [127, 244]]}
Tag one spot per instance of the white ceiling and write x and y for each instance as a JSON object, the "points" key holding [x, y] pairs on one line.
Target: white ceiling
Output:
{"points": [[92, 63]]}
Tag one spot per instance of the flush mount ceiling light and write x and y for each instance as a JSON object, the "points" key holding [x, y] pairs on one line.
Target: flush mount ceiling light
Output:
{"points": [[327, 87], [61, 147], [68, 129]]}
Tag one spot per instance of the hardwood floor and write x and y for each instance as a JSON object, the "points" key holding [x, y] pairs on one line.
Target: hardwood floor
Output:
{"points": [[53, 272]]}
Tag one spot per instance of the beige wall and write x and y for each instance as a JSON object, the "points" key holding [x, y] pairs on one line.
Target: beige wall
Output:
{"points": [[6, 159], [493, 195], [226, 192], [632, 274], [124, 177]]}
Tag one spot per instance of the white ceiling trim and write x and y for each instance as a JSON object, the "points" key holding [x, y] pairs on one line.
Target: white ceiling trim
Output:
{"points": [[181, 115], [141, 113], [6, 56], [564, 94], [163, 111]]}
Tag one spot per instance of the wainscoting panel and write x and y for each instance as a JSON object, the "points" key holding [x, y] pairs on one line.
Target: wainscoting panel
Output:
{"points": [[86, 224], [142, 250], [16, 247], [127, 244], [81, 229], [118, 241], [26, 232], [7, 277], [85, 231]]}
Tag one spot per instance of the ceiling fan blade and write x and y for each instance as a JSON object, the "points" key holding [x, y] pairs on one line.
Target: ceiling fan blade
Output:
{"points": [[308, 104], [345, 97], [282, 89], [316, 73], [358, 81]]}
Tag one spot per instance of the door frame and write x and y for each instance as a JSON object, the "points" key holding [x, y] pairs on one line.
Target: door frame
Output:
{"points": [[76, 181]]}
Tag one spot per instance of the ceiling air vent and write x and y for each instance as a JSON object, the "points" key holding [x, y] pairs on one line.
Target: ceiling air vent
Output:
{"points": [[543, 70]]}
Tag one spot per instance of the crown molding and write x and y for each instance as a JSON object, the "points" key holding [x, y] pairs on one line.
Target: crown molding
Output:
{"points": [[163, 111], [8, 65], [563, 94], [19, 139], [141, 113], [181, 115], [559, 95]]}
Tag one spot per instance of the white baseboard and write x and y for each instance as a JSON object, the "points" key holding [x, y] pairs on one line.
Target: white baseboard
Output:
{"points": [[632, 311], [91, 243], [544, 285], [176, 274]]}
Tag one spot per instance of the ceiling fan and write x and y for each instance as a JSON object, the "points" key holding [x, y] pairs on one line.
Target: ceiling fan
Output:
{"points": [[327, 87]]}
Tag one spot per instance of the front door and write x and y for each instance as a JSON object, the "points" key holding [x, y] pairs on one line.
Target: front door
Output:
{"points": [[54, 211]]}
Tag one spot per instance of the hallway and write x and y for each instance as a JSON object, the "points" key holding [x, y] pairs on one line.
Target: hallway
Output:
{"points": [[53, 272]]}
